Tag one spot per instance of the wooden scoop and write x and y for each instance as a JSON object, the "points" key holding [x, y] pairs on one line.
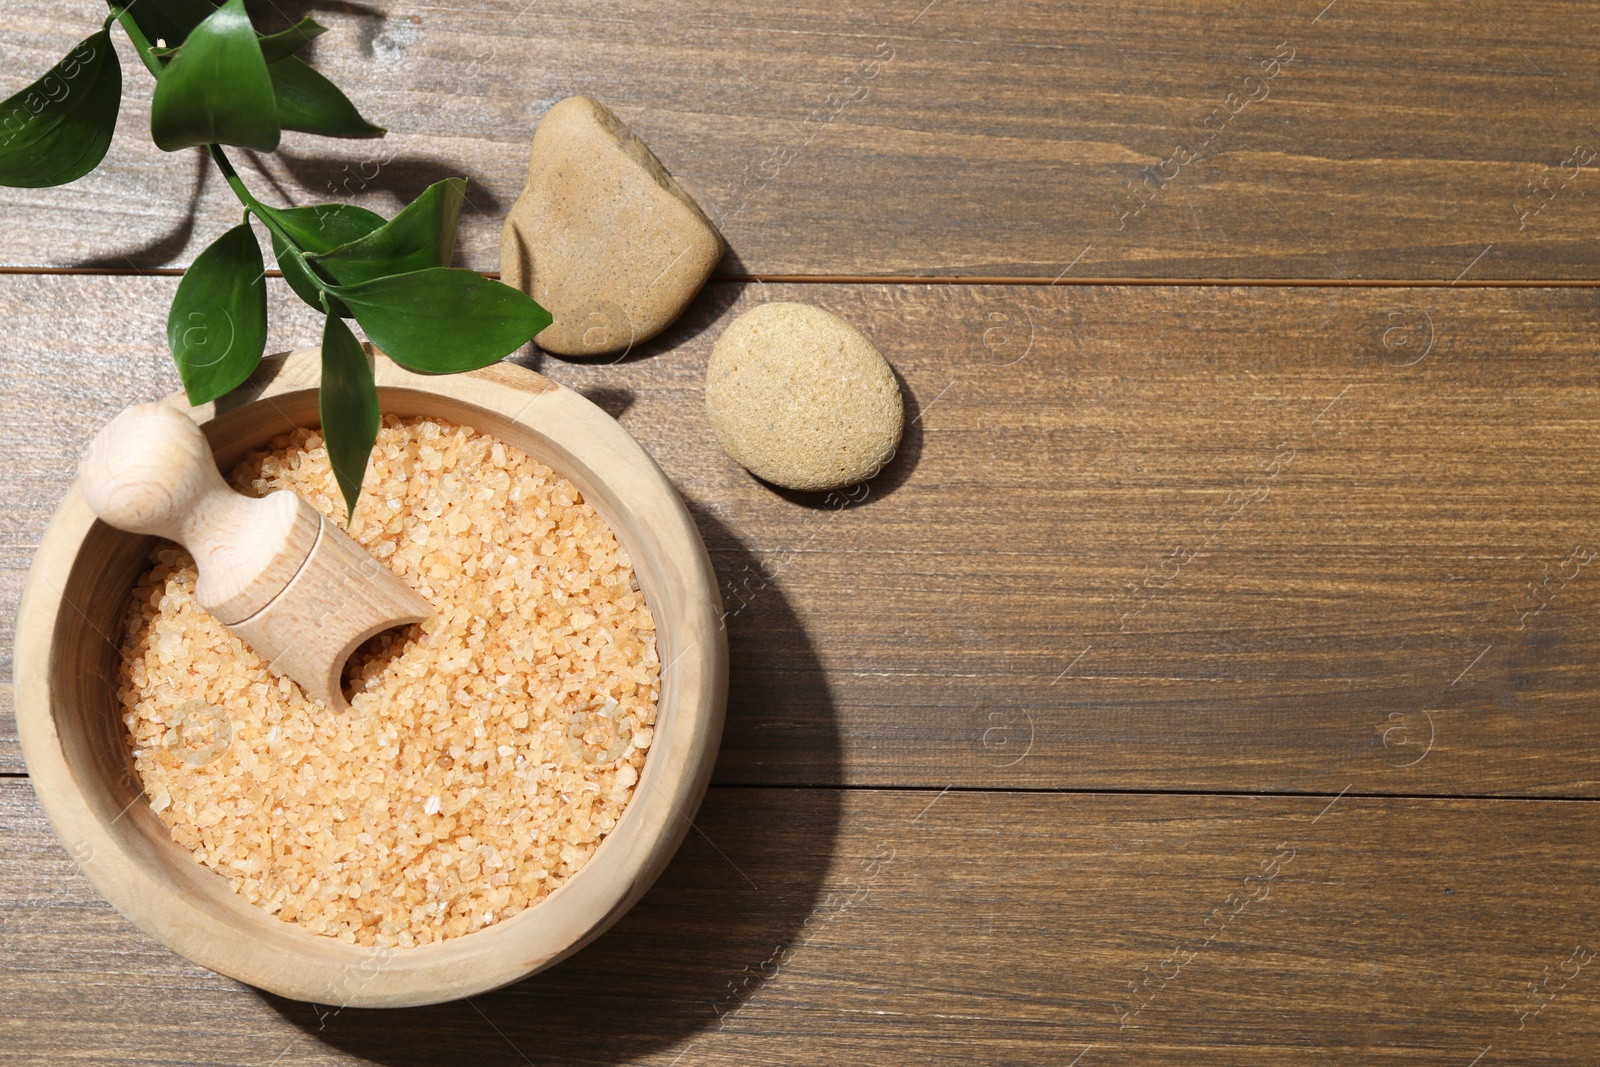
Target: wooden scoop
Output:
{"points": [[287, 581]]}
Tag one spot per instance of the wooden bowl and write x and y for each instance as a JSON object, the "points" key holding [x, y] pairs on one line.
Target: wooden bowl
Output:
{"points": [[74, 741]]}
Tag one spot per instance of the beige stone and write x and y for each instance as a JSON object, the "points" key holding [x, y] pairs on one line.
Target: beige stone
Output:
{"points": [[602, 236], [799, 398]]}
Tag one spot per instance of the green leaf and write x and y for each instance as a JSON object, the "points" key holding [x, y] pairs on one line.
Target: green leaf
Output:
{"points": [[323, 227], [423, 235], [217, 328], [58, 129], [316, 228], [310, 103], [285, 43], [443, 320], [348, 402], [216, 90]]}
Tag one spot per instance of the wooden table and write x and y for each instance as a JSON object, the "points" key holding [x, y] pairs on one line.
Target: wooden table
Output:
{"points": [[1211, 677]]}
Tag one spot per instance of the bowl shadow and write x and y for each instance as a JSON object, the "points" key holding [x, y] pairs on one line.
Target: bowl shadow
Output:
{"points": [[721, 921]]}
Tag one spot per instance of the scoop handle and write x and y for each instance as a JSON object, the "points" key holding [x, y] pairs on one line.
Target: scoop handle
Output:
{"points": [[150, 471]]}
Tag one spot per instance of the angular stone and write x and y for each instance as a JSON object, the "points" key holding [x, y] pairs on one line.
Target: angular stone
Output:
{"points": [[800, 399], [602, 236]]}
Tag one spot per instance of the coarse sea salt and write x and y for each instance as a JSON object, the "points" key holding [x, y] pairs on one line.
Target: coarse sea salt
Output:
{"points": [[487, 751]]}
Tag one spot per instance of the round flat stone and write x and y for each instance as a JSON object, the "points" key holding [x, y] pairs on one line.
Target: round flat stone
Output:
{"points": [[800, 399]]}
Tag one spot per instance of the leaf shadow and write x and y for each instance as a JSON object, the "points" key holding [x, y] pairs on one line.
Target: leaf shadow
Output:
{"points": [[372, 170], [270, 16], [169, 246]]}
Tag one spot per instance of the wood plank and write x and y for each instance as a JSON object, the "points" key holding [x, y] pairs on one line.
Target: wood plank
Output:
{"points": [[1374, 582], [804, 926], [52, 405], [1403, 139]]}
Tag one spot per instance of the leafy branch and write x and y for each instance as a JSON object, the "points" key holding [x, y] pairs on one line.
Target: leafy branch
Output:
{"points": [[221, 82]]}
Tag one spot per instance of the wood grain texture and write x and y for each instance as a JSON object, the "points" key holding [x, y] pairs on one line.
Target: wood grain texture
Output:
{"points": [[1419, 140], [1354, 522], [805, 926]]}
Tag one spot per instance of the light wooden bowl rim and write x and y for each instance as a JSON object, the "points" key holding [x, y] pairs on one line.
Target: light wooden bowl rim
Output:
{"points": [[225, 933]]}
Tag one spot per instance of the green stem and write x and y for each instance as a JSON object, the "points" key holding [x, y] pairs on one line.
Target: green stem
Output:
{"points": [[141, 43], [232, 176], [253, 207]]}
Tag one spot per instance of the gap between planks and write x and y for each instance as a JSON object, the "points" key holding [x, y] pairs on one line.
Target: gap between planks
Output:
{"points": [[1346, 794], [980, 279]]}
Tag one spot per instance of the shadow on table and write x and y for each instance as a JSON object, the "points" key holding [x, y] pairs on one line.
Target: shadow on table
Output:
{"points": [[710, 310], [722, 919], [159, 251], [706, 311], [270, 16], [359, 171], [890, 476]]}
